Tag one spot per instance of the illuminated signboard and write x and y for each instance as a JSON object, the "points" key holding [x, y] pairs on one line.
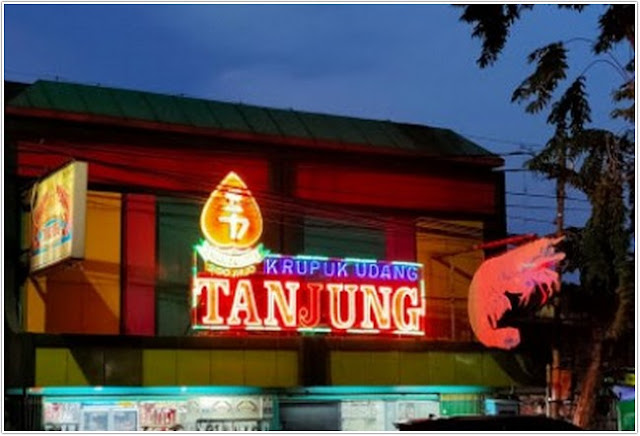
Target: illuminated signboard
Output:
{"points": [[238, 286], [522, 272], [58, 208], [232, 225]]}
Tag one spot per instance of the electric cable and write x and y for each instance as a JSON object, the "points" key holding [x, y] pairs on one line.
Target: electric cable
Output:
{"points": [[273, 200]]}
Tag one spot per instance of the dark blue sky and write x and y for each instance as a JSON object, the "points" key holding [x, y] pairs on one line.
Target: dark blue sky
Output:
{"points": [[409, 63]]}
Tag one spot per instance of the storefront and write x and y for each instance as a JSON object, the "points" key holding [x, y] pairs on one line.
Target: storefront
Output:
{"points": [[244, 267], [208, 408], [183, 408]]}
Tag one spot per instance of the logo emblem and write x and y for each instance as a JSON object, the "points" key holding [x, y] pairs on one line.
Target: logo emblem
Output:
{"points": [[231, 223]]}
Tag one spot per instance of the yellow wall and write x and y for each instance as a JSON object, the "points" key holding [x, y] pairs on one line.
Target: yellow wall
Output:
{"points": [[265, 368], [58, 367], [447, 281], [416, 368], [440, 279], [83, 298], [276, 368], [168, 367]]}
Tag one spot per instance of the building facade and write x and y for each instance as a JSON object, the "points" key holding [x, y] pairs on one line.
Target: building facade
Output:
{"points": [[107, 342]]}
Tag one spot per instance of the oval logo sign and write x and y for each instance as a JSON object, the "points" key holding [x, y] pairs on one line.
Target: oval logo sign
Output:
{"points": [[231, 217]]}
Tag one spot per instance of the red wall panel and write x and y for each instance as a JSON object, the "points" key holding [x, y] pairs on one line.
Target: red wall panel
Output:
{"points": [[401, 239], [145, 167], [138, 291], [344, 185]]}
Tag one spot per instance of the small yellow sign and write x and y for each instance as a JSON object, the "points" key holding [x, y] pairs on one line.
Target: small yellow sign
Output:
{"points": [[58, 207], [629, 379]]}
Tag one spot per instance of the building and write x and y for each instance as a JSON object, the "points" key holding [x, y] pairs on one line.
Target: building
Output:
{"points": [[108, 341]]}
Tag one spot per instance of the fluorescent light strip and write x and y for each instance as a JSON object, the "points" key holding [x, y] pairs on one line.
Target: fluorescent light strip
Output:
{"points": [[355, 260], [263, 328], [212, 327], [363, 331], [404, 332], [314, 329], [400, 262], [309, 257]]}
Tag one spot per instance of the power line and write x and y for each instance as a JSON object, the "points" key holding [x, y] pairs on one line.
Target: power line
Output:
{"points": [[546, 207], [551, 196], [199, 180], [285, 206], [535, 220], [524, 147], [522, 144]]}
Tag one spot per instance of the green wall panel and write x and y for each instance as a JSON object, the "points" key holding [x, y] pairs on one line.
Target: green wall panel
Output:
{"points": [[172, 310], [460, 404], [178, 232], [368, 368], [342, 239], [493, 373], [350, 367], [414, 369], [385, 368], [468, 368], [627, 415], [442, 368]]}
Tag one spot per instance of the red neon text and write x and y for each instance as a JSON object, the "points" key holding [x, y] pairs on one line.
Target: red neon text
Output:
{"points": [[291, 304]]}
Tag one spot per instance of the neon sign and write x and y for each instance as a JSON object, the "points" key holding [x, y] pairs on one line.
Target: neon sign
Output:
{"points": [[237, 286], [523, 271], [232, 224]]}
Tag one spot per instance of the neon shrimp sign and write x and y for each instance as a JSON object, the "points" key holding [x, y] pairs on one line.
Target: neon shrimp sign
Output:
{"points": [[239, 286]]}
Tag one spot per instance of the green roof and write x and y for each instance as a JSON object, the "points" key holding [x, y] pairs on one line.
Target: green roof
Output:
{"points": [[200, 113]]}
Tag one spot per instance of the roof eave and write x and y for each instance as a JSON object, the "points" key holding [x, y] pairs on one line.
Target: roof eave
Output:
{"points": [[479, 160]]}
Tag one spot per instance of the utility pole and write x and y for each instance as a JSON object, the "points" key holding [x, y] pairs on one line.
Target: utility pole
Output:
{"points": [[553, 375]]}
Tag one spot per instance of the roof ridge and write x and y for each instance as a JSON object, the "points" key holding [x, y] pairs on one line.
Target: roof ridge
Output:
{"points": [[72, 97], [236, 103]]}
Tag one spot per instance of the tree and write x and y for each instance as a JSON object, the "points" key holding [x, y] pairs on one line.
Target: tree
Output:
{"points": [[595, 161]]}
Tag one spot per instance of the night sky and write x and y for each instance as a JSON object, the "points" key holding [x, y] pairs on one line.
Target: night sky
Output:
{"points": [[406, 63]]}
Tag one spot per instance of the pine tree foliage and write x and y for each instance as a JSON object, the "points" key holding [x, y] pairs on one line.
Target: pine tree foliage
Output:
{"points": [[578, 8], [626, 93], [595, 161], [492, 25], [601, 164], [605, 262], [616, 24], [569, 114], [550, 70], [572, 110]]}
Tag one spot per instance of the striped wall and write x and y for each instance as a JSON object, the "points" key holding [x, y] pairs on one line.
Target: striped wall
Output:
{"points": [[416, 368], [83, 366], [104, 366], [83, 298]]}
